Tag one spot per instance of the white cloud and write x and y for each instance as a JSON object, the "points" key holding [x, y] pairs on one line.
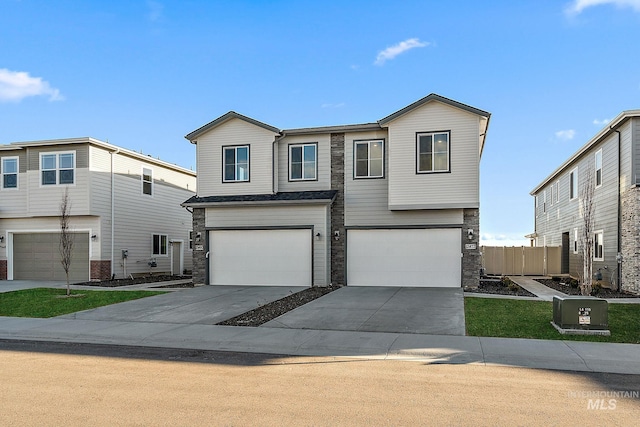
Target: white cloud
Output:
{"points": [[488, 239], [393, 51], [577, 6], [329, 105], [565, 135], [17, 85], [601, 122]]}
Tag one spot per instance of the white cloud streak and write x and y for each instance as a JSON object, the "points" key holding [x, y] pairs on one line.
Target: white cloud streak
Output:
{"points": [[395, 50], [578, 6], [565, 135], [17, 85], [601, 122]]}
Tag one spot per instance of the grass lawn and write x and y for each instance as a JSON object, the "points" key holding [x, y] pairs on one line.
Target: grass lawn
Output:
{"points": [[488, 317], [43, 302]]}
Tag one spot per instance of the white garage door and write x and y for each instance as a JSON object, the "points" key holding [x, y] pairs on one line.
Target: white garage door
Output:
{"points": [[416, 257], [36, 256], [260, 257]]}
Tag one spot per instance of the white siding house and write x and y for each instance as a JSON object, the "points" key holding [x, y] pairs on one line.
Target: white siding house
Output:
{"points": [[120, 200], [389, 203]]}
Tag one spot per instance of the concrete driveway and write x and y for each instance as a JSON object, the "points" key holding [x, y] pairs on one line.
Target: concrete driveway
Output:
{"points": [[434, 311]]}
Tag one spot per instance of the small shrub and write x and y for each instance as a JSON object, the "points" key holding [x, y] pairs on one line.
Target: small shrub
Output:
{"points": [[595, 289], [505, 281], [574, 283], [513, 287]]}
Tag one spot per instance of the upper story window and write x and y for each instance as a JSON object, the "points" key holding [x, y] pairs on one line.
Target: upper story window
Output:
{"points": [[9, 168], [544, 201], [303, 162], [557, 191], [57, 168], [573, 184], [147, 181], [598, 168], [575, 240], [159, 244], [369, 159], [433, 152], [235, 163]]}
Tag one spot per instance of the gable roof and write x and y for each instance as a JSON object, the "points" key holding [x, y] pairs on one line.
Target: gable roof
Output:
{"points": [[604, 132], [224, 118], [429, 98]]}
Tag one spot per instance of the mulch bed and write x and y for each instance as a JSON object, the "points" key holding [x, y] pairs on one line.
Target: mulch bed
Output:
{"points": [[569, 290], [498, 287], [137, 281], [270, 311]]}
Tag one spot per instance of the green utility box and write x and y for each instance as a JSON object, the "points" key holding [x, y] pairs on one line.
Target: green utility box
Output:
{"points": [[580, 315]]}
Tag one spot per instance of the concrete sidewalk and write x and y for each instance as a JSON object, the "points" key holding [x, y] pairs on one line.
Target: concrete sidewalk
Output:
{"points": [[439, 349], [545, 293]]}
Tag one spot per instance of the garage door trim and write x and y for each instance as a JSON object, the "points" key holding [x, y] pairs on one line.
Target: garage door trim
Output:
{"points": [[9, 249]]}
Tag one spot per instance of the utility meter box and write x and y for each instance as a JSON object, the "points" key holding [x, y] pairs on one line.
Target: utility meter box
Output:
{"points": [[580, 313]]}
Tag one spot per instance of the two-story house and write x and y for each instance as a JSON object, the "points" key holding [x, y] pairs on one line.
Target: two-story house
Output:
{"points": [[611, 160], [125, 211], [388, 203]]}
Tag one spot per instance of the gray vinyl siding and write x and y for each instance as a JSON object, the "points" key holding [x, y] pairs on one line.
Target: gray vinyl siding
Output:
{"points": [[13, 201], [564, 216], [281, 216], [209, 159], [323, 158], [635, 177], [458, 188], [366, 201]]}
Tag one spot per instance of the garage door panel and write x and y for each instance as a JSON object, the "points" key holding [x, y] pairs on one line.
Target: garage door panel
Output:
{"points": [[415, 257], [36, 256], [260, 257]]}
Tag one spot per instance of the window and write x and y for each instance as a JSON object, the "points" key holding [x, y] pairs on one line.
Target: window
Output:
{"points": [[57, 168], [369, 159], [302, 162], [9, 172], [598, 246], [147, 181], [159, 244], [575, 240], [191, 240], [235, 164], [544, 202], [433, 152], [557, 191], [573, 184], [552, 192], [598, 176]]}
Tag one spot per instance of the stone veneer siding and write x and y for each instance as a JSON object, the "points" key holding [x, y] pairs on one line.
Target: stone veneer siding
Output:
{"points": [[199, 257], [471, 262], [630, 240], [100, 270], [337, 211], [3, 269]]}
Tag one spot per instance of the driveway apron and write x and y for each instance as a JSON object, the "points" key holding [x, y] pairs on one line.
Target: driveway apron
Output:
{"points": [[434, 311]]}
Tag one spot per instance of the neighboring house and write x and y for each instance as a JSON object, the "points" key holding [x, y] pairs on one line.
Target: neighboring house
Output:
{"points": [[120, 200], [394, 202], [612, 160]]}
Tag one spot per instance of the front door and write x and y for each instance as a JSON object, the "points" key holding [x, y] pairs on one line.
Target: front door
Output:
{"points": [[176, 258]]}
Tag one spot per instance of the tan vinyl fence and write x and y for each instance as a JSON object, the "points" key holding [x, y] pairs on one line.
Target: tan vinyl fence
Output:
{"points": [[521, 260]]}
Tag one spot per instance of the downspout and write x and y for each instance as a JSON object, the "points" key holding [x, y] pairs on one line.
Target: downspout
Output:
{"points": [[619, 254], [113, 212]]}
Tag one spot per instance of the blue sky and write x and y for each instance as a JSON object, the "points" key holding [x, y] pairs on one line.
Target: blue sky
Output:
{"points": [[142, 74]]}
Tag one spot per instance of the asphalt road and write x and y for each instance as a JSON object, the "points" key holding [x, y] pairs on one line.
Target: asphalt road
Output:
{"points": [[72, 384]]}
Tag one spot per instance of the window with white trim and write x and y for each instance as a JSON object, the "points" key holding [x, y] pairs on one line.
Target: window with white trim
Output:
{"points": [[552, 189], [575, 240], [303, 162], [558, 191], [57, 168], [235, 164], [369, 158], [191, 239], [432, 152], [147, 181], [573, 184], [598, 168], [159, 244], [598, 246], [9, 172]]}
